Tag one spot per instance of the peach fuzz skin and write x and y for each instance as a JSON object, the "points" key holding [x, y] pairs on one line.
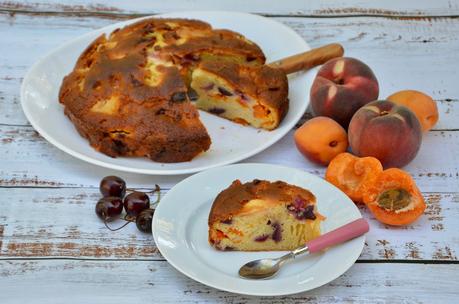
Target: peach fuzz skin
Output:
{"points": [[321, 139], [422, 105], [341, 87], [386, 131]]}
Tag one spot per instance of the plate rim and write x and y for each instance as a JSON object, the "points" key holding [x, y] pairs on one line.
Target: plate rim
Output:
{"points": [[36, 125], [215, 285]]}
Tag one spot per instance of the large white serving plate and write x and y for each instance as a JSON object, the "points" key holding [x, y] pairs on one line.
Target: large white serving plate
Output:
{"points": [[180, 231], [230, 142]]}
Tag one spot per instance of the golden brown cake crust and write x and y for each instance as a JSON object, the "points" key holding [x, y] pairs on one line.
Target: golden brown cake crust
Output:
{"points": [[231, 201], [269, 85], [127, 94]]}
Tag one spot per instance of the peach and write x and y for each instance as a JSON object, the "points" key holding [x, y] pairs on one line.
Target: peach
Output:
{"points": [[386, 131], [320, 139], [341, 87], [422, 105]]}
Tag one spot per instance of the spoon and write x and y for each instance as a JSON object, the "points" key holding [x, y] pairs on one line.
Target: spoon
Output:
{"points": [[265, 268]]}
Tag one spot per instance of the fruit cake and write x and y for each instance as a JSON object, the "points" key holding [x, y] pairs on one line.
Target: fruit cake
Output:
{"points": [[262, 215], [128, 93]]}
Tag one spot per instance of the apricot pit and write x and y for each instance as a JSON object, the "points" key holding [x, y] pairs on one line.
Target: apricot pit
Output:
{"points": [[394, 199]]}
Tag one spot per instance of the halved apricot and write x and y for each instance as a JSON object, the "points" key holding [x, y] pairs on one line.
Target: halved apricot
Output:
{"points": [[394, 198], [353, 175]]}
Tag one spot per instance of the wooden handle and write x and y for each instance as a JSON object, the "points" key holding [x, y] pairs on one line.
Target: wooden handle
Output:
{"points": [[309, 59]]}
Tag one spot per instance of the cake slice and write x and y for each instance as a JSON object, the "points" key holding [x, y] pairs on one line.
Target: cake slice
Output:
{"points": [[247, 94], [263, 216]]}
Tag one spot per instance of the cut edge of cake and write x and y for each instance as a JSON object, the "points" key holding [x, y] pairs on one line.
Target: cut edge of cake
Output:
{"points": [[249, 95]]}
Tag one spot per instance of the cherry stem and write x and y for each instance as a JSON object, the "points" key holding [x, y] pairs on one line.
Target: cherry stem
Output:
{"points": [[157, 189], [111, 229], [158, 197], [128, 218]]}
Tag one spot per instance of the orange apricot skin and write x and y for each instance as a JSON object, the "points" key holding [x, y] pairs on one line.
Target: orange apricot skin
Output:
{"points": [[390, 179], [320, 139], [353, 175], [422, 105]]}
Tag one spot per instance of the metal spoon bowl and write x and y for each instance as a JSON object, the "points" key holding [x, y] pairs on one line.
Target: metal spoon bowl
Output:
{"points": [[263, 268]]}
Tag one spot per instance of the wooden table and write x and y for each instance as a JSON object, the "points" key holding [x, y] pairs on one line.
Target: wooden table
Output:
{"points": [[53, 248]]}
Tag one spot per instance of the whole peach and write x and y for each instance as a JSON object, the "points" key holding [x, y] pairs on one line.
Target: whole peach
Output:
{"points": [[384, 130], [341, 87], [320, 139], [422, 105]]}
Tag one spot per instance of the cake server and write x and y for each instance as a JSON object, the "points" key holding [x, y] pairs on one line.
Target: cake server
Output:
{"points": [[265, 268]]}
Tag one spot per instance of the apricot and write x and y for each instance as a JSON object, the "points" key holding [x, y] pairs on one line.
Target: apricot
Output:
{"points": [[321, 139], [341, 87], [353, 175], [422, 105], [386, 131], [394, 198]]}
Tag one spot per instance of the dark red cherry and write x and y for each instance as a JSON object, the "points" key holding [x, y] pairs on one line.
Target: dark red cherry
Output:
{"points": [[224, 91], [143, 220], [112, 186], [277, 233], [262, 238], [179, 97], [136, 202], [108, 208]]}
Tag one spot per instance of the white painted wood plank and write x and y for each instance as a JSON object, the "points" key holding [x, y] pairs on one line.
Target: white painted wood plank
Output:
{"points": [[397, 50], [157, 282], [285, 7], [62, 223], [29, 160]]}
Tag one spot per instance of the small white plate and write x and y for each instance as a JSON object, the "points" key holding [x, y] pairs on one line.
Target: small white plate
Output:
{"points": [[180, 231], [230, 142]]}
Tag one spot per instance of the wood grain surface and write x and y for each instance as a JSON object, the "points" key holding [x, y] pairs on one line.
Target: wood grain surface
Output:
{"points": [[157, 282], [340, 8], [53, 246]]}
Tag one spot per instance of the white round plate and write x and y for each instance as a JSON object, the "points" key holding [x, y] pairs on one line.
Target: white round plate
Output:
{"points": [[230, 142], [180, 231]]}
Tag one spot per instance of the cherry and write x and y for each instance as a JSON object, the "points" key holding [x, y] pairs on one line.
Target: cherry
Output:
{"points": [[143, 220], [301, 209], [262, 238], [277, 234], [136, 202], [112, 186], [224, 92], [107, 208]]}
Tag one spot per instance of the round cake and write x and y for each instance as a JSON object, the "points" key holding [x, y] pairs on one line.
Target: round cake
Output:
{"points": [[129, 93]]}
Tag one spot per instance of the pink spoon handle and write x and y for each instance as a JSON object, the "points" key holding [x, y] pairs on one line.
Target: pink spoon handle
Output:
{"points": [[340, 235]]}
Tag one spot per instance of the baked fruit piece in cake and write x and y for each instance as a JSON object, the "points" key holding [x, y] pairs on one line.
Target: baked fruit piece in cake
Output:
{"points": [[127, 93], [262, 215], [255, 95]]}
